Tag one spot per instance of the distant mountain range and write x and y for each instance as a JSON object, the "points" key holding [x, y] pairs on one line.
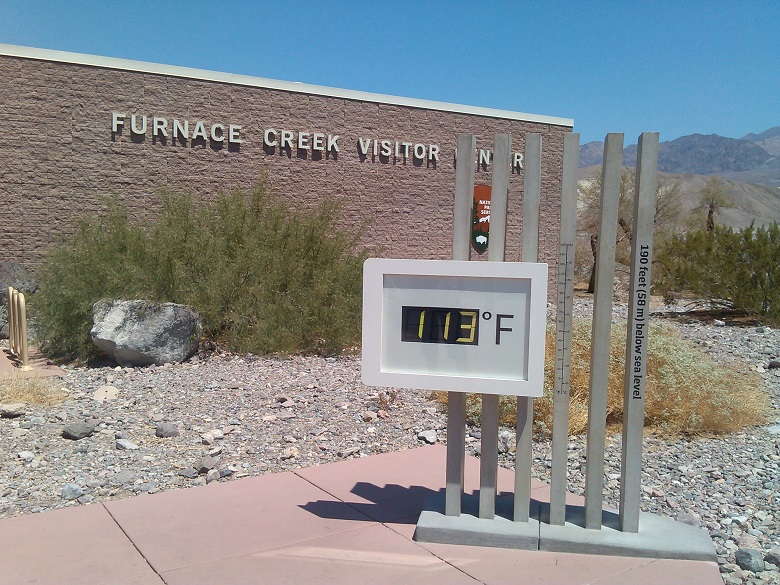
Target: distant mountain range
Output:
{"points": [[754, 158]]}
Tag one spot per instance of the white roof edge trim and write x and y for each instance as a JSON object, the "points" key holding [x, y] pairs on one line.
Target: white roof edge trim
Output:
{"points": [[247, 80]]}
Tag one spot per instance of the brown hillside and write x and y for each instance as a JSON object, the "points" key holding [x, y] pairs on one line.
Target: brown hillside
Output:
{"points": [[751, 203]]}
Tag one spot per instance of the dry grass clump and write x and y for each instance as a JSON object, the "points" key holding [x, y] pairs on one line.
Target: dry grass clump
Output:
{"points": [[29, 389], [687, 391]]}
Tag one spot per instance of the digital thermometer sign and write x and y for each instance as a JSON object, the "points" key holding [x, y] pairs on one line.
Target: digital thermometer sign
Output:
{"points": [[438, 325], [449, 325]]}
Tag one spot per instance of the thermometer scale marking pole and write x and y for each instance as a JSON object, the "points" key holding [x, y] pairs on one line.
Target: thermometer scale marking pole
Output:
{"points": [[563, 330]]}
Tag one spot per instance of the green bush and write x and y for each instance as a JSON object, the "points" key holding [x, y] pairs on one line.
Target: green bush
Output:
{"points": [[263, 278], [736, 270], [105, 258]]}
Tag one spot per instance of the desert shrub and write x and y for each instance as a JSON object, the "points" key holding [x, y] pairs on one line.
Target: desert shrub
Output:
{"points": [[736, 270], [687, 392], [30, 389], [105, 258], [263, 278]]}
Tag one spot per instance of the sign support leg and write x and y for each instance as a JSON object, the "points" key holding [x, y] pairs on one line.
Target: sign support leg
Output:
{"points": [[523, 448], [456, 401], [502, 151], [563, 328], [532, 194], [602, 322], [488, 460], [456, 452], [637, 332]]}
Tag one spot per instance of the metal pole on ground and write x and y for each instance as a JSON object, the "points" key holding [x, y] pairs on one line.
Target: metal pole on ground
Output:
{"points": [[12, 319], [563, 329], [602, 322], [532, 182], [488, 462], [637, 331], [22, 326], [456, 401]]}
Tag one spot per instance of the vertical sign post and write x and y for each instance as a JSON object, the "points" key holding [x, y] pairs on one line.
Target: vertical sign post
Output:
{"points": [[456, 401], [637, 332], [460, 362], [563, 327], [488, 463], [12, 318], [532, 182], [602, 322]]}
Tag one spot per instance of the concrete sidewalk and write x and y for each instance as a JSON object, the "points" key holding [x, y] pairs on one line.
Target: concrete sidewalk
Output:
{"points": [[39, 364], [346, 522]]}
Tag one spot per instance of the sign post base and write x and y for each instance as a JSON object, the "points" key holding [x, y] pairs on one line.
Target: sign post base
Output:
{"points": [[657, 538], [470, 529]]}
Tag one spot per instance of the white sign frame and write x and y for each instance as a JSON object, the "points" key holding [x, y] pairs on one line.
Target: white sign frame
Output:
{"points": [[388, 283]]}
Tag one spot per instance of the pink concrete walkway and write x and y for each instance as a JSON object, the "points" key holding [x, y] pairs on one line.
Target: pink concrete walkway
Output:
{"points": [[39, 364], [347, 522]]}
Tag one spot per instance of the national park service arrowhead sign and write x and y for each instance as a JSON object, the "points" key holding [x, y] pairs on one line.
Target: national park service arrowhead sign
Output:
{"points": [[480, 218]]}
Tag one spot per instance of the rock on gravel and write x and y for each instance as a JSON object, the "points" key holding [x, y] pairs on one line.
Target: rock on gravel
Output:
{"points": [[206, 464], [250, 415], [165, 430], [189, 472], [126, 444], [77, 431], [12, 409], [750, 559], [429, 437], [140, 333], [773, 556], [71, 491]]}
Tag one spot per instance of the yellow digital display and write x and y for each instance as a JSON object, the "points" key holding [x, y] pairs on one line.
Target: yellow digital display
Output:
{"points": [[440, 325]]}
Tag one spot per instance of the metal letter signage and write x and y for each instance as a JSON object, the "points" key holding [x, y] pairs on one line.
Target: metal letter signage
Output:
{"points": [[460, 326]]}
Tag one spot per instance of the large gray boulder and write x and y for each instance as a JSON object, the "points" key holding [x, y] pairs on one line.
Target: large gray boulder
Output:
{"points": [[141, 333]]}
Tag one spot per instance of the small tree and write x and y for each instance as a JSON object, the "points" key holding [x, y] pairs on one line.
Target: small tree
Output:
{"points": [[713, 199], [667, 213]]}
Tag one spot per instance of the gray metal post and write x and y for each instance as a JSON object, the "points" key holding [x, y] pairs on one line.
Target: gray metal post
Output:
{"points": [[499, 196], [602, 322], [637, 331], [488, 458], [532, 194], [464, 197], [532, 187], [456, 401], [563, 326]]}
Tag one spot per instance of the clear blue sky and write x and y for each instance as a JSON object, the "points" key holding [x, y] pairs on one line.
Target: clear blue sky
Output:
{"points": [[676, 67]]}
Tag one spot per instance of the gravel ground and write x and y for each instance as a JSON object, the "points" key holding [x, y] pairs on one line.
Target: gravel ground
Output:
{"points": [[222, 416]]}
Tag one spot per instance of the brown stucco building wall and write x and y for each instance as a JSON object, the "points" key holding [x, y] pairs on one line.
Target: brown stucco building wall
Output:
{"points": [[58, 153]]}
